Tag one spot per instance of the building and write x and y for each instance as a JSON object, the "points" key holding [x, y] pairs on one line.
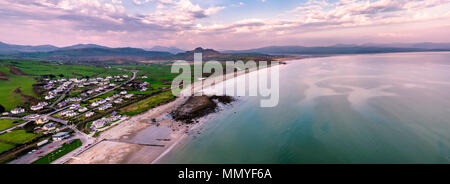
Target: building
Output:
{"points": [[60, 136], [104, 107], [129, 95], [32, 117], [70, 113], [49, 126], [75, 106], [36, 107], [42, 120], [118, 101], [89, 114], [123, 92], [49, 97], [100, 123], [95, 104], [17, 111], [83, 109]]}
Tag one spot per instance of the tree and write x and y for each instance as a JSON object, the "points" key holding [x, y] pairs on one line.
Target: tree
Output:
{"points": [[2, 109], [61, 75]]}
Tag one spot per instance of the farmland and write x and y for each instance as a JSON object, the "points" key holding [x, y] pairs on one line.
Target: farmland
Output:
{"points": [[36, 68], [5, 147], [18, 137], [147, 103], [7, 123], [8, 97]]}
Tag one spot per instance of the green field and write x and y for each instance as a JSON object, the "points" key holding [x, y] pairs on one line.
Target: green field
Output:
{"points": [[5, 147], [157, 74], [8, 123], [147, 103], [58, 153], [106, 95], [9, 99], [18, 136], [36, 68]]}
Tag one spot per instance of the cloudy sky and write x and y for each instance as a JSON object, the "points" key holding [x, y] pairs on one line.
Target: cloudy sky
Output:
{"points": [[223, 24]]}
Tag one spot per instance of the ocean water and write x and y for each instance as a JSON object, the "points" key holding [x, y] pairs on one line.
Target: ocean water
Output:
{"points": [[384, 108]]}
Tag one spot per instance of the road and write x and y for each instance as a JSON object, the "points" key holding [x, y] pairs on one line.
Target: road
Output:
{"points": [[15, 118], [31, 157]]}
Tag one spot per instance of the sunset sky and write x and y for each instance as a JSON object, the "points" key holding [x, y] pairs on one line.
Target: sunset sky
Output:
{"points": [[223, 24]]}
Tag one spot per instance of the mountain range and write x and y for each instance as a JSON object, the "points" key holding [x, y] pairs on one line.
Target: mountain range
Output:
{"points": [[92, 52], [349, 49], [172, 50]]}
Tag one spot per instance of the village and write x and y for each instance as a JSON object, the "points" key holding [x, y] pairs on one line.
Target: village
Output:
{"points": [[75, 109]]}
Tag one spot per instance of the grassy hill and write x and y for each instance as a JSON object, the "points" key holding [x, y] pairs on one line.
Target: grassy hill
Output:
{"points": [[8, 98]]}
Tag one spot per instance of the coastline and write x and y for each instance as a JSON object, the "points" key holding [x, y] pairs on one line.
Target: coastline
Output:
{"points": [[138, 141]]}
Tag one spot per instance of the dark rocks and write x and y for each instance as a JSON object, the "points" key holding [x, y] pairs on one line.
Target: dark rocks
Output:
{"points": [[197, 107]]}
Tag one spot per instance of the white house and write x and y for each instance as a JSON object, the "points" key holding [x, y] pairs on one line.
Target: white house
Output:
{"points": [[104, 107], [129, 95], [118, 101], [83, 109], [89, 114], [42, 120], [123, 92], [49, 126], [36, 107], [75, 106], [17, 111], [60, 136]]}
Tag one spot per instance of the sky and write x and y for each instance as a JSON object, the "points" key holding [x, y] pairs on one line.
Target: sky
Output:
{"points": [[222, 24]]}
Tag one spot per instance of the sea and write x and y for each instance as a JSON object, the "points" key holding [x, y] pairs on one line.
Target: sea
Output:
{"points": [[350, 109]]}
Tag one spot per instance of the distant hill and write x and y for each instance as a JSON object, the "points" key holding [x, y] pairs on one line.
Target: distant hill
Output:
{"points": [[93, 54], [211, 54], [83, 46], [424, 45], [172, 50], [347, 49], [10, 49]]}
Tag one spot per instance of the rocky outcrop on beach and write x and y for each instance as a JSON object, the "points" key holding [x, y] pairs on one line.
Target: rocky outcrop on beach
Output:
{"points": [[198, 106]]}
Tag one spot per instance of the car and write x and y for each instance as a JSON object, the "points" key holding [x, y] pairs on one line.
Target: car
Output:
{"points": [[86, 146], [50, 147], [39, 152]]}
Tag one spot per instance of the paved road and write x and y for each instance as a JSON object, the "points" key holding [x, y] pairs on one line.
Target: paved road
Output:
{"points": [[31, 157], [15, 118]]}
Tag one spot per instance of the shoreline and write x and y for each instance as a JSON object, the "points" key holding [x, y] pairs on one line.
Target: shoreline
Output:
{"points": [[137, 141]]}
